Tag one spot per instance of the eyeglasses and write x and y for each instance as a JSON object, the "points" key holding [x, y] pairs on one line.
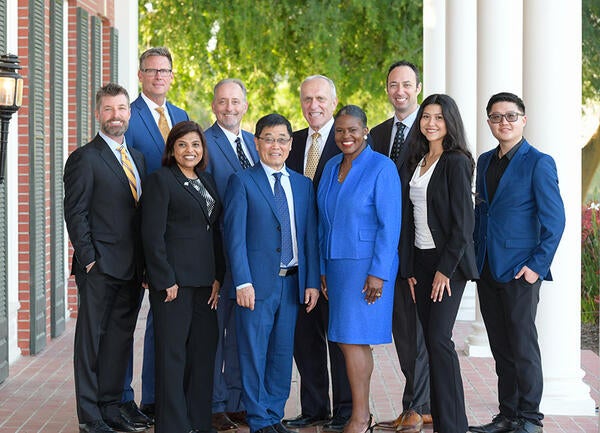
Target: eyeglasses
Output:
{"points": [[271, 140], [160, 72], [511, 117]]}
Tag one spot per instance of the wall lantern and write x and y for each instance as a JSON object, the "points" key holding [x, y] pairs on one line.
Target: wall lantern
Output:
{"points": [[11, 97]]}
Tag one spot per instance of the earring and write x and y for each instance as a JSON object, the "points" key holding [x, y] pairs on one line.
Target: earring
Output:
{"points": [[365, 137]]}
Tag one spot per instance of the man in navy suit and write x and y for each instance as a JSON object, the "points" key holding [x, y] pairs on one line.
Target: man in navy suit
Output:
{"points": [[271, 241], [519, 220], [403, 87], [152, 116], [103, 183], [230, 150], [312, 147]]}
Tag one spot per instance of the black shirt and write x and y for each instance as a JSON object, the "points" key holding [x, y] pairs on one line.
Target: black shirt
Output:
{"points": [[497, 168]]}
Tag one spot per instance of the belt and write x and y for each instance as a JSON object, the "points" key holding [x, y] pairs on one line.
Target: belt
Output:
{"points": [[286, 272]]}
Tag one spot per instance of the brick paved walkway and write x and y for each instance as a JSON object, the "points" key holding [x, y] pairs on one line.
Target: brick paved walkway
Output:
{"points": [[38, 396]]}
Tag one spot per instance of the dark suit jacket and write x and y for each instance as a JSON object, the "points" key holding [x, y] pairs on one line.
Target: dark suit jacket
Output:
{"points": [[449, 215], [525, 221], [182, 244], [143, 133], [253, 232], [102, 218], [295, 160]]}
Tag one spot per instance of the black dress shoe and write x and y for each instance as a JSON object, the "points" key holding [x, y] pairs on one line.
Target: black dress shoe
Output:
{"points": [[499, 424], [305, 421], [267, 429], [337, 424], [121, 424], [221, 422], [529, 427], [131, 414], [238, 417], [280, 428], [148, 410], [98, 426]]}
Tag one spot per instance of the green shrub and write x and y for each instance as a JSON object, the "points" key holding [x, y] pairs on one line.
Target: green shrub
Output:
{"points": [[590, 262]]}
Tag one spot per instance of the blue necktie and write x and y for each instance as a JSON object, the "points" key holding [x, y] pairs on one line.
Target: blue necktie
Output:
{"points": [[287, 251]]}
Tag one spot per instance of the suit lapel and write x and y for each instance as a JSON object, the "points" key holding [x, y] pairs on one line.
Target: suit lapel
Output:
{"points": [[514, 165], [249, 140], [151, 125], [187, 185], [262, 182], [225, 148], [110, 159], [297, 198]]}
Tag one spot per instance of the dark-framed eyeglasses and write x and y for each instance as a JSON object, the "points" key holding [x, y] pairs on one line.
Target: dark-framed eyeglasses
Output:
{"points": [[160, 72], [511, 116]]}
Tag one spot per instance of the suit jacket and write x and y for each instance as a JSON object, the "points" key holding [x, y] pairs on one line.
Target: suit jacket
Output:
{"points": [[222, 160], [449, 216], [102, 217], [253, 232], [366, 222], [525, 221], [143, 133], [182, 243], [295, 160]]}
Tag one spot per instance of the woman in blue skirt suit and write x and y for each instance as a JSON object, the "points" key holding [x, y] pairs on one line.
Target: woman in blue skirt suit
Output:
{"points": [[359, 200]]}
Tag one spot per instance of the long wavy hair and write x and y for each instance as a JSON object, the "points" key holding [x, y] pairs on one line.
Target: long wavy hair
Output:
{"points": [[455, 139]]}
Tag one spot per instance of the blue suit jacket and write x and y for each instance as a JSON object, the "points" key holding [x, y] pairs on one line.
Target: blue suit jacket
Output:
{"points": [[143, 133], [253, 234], [222, 160], [525, 221], [367, 213]]}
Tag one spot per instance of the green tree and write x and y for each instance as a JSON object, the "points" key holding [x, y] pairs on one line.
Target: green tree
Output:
{"points": [[273, 46]]}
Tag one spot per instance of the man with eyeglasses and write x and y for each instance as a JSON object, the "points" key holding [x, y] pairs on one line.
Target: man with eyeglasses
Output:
{"points": [[271, 240], [152, 117], [312, 148], [519, 220]]}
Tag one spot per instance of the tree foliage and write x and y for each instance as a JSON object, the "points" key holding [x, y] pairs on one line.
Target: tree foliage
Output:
{"points": [[273, 46], [591, 50]]}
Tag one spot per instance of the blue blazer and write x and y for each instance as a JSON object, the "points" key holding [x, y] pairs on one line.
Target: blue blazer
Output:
{"points": [[253, 235], [143, 133], [222, 160], [367, 213], [525, 221]]}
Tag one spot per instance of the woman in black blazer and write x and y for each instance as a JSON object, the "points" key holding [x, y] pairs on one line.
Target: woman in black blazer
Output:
{"points": [[439, 222], [185, 267]]}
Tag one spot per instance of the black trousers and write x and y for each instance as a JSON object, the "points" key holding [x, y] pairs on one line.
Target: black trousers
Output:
{"points": [[310, 353], [186, 334], [437, 319], [410, 347], [103, 337], [509, 311]]}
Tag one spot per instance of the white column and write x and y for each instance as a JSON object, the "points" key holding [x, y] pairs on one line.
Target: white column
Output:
{"points": [[126, 21], [499, 24], [552, 95], [434, 47]]}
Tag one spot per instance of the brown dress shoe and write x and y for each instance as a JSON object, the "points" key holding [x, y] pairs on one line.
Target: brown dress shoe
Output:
{"points": [[411, 422], [222, 423], [391, 424], [427, 418], [238, 417]]}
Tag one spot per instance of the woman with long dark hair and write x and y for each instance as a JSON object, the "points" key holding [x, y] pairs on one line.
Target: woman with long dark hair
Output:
{"points": [[439, 220]]}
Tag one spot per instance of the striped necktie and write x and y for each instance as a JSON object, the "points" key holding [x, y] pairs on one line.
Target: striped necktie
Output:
{"points": [[128, 168], [163, 125]]}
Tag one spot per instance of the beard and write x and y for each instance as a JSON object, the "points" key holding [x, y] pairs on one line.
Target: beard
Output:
{"points": [[114, 130]]}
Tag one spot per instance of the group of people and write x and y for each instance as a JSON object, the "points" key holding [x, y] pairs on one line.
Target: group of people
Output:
{"points": [[258, 249]]}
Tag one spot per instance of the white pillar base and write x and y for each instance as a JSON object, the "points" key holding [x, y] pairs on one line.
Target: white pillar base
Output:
{"points": [[567, 397], [477, 344]]}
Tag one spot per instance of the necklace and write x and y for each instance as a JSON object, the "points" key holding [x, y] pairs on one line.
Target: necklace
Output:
{"points": [[343, 173]]}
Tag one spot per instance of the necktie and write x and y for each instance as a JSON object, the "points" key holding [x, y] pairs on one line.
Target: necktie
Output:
{"points": [[128, 168], [210, 201], [398, 141], [241, 155], [287, 252], [313, 157], [163, 125]]}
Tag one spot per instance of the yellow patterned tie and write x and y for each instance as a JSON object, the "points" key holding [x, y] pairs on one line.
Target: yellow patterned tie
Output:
{"points": [[313, 157], [128, 168], [163, 125]]}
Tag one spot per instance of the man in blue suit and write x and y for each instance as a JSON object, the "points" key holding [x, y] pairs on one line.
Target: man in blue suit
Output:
{"points": [[152, 117], [230, 150], [519, 220], [271, 241]]}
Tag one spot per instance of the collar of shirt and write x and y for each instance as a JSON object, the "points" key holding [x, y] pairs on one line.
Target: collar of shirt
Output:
{"points": [[153, 106], [269, 171], [509, 155], [408, 122], [114, 145], [324, 131], [231, 137]]}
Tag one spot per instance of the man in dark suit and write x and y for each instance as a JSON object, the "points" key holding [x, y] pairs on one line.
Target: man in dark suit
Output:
{"points": [[312, 147], [519, 220], [403, 87], [152, 117], [103, 182], [271, 241], [230, 150]]}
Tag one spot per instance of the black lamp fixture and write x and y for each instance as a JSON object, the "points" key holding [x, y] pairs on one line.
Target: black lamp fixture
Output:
{"points": [[11, 98]]}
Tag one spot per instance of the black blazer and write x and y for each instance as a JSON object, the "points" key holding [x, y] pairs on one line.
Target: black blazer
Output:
{"points": [[295, 160], [182, 244], [450, 217], [102, 218]]}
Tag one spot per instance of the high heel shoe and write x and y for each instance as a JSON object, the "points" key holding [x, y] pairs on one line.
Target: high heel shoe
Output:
{"points": [[371, 424]]}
